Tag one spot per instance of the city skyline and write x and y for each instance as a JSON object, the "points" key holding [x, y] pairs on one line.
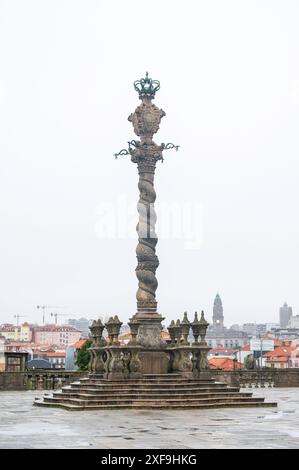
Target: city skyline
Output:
{"points": [[69, 317]]}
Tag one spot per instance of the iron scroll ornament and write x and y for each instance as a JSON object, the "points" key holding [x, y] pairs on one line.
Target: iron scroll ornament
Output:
{"points": [[133, 143]]}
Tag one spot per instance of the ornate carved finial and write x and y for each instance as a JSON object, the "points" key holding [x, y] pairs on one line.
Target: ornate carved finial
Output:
{"points": [[185, 319], [203, 326], [202, 317], [171, 330], [134, 327], [185, 328], [109, 327], [177, 331], [195, 325], [147, 87]]}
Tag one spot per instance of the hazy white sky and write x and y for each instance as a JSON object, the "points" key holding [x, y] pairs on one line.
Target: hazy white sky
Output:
{"points": [[229, 75]]}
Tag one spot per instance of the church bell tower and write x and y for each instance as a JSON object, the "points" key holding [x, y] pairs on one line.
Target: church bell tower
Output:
{"points": [[218, 318]]}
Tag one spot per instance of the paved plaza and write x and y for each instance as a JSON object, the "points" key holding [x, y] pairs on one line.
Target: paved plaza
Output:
{"points": [[25, 426]]}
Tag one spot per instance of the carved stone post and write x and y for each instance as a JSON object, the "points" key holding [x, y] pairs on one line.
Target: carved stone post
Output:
{"points": [[91, 362], [34, 381], [184, 362], [135, 363], [92, 354], [200, 349], [114, 367], [29, 382], [145, 153], [40, 382], [48, 382], [96, 363]]}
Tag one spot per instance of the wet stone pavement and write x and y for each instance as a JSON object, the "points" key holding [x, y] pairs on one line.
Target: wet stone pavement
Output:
{"points": [[23, 426]]}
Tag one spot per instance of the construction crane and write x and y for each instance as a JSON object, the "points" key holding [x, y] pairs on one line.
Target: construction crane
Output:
{"points": [[43, 307], [55, 315], [18, 317]]}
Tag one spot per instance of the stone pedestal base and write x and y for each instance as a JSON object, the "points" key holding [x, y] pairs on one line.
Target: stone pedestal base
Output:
{"points": [[203, 374], [152, 358], [149, 332], [154, 362], [114, 376], [187, 375]]}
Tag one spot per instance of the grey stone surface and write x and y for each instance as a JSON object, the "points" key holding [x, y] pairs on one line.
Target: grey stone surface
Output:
{"points": [[25, 426]]}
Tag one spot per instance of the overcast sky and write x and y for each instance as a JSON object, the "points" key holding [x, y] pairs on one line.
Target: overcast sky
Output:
{"points": [[229, 74]]}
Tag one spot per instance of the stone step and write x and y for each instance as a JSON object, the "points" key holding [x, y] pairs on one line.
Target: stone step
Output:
{"points": [[133, 395], [172, 374], [126, 389], [161, 379], [208, 390], [147, 384], [162, 392], [112, 385], [145, 376], [142, 406], [149, 401]]}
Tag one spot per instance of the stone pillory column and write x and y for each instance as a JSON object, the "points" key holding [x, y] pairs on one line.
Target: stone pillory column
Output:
{"points": [[145, 153]]}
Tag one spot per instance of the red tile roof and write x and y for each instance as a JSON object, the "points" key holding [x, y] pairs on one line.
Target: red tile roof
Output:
{"points": [[79, 343], [25, 343], [225, 351], [49, 353], [282, 351], [246, 347], [224, 363], [165, 334], [277, 359], [55, 354]]}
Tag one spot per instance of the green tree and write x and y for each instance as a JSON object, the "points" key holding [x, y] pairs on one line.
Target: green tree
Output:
{"points": [[249, 362], [83, 355]]}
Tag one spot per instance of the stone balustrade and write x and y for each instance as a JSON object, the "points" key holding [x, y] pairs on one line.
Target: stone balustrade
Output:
{"points": [[50, 380], [116, 362], [190, 360], [38, 380], [121, 362], [263, 378]]}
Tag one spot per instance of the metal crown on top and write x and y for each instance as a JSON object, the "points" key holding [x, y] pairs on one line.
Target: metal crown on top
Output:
{"points": [[146, 86]]}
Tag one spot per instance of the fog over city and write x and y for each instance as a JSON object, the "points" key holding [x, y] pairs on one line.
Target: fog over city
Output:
{"points": [[229, 76]]}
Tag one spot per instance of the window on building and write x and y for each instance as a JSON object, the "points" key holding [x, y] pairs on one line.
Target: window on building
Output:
{"points": [[14, 364]]}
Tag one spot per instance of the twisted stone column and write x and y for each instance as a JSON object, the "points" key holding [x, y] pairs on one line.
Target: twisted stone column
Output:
{"points": [[146, 153], [147, 240]]}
